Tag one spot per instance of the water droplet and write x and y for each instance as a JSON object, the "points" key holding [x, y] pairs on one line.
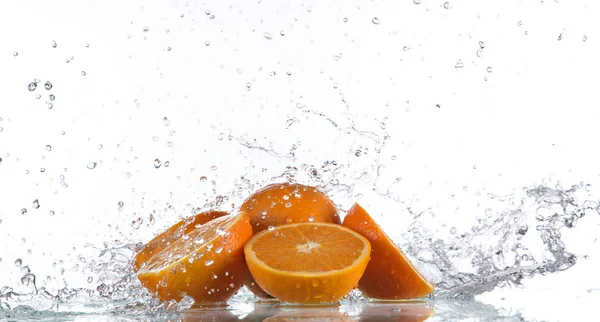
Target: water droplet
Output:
{"points": [[90, 279], [208, 262], [270, 228], [54, 44], [524, 257], [207, 43], [282, 33], [453, 230], [288, 204], [446, 5], [375, 21], [42, 169], [560, 36], [214, 168], [219, 249], [169, 48], [345, 20], [18, 262], [489, 69], [459, 64], [588, 187], [15, 54], [48, 148], [481, 44], [203, 179], [358, 153], [23, 211], [286, 197], [32, 86], [523, 230], [584, 38], [36, 204], [51, 212], [167, 163], [145, 29], [83, 73], [157, 163], [92, 165], [48, 86], [273, 73], [417, 1], [311, 218], [268, 35]]}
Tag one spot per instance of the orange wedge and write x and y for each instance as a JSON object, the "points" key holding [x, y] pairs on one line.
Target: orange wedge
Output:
{"points": [[308, 263], [206, 263], [174, 232], [389, 275], [285, 203]]}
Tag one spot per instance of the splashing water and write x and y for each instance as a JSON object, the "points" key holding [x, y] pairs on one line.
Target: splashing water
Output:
{"points": [[492, 253]]}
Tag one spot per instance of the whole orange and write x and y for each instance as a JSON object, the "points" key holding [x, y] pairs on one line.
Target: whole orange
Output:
{"points": [[285, 203]]}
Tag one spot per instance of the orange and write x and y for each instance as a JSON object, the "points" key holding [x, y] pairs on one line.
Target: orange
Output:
{"points": [[308, 263], [174, 232], [285, 203], [389, 275], [207, 263]]}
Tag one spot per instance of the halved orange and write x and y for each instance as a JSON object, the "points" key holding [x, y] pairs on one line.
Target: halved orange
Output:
{"points": [[206, 263], [389, 275], [308, 263], [173, 233], [285, 203]]}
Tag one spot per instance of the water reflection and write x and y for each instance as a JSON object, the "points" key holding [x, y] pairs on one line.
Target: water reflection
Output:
{"points": [[405, 312]]}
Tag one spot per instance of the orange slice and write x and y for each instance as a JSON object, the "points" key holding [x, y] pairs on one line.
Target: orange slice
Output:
{"points": [[207, 263], [389, 275], [308, 263], [285, 203], [174, 232]]}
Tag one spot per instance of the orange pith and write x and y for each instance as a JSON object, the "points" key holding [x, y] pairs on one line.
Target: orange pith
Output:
{"points": [[389, 275], [307, 263], [207, 263], [285, 203], [171, 234]]}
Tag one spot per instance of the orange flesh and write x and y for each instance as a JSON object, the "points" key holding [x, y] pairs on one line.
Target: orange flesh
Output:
{"points": [[307, 262], [389, 275], [174, 232], [294, 251], [206, 264]]}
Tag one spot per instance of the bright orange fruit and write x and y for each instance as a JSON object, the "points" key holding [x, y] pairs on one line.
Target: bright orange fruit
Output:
{"points": [[174, 232], [307, 263], [285, 203], [389, 275], [206, 263]]}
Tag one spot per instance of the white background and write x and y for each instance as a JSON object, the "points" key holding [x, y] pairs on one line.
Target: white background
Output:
{"points": [[520, 109]]}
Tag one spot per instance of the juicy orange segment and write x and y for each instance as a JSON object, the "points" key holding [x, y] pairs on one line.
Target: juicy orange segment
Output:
{"points": [[307, 262], [206, 263], [284, 203], [174, 232], [389, 275]]}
